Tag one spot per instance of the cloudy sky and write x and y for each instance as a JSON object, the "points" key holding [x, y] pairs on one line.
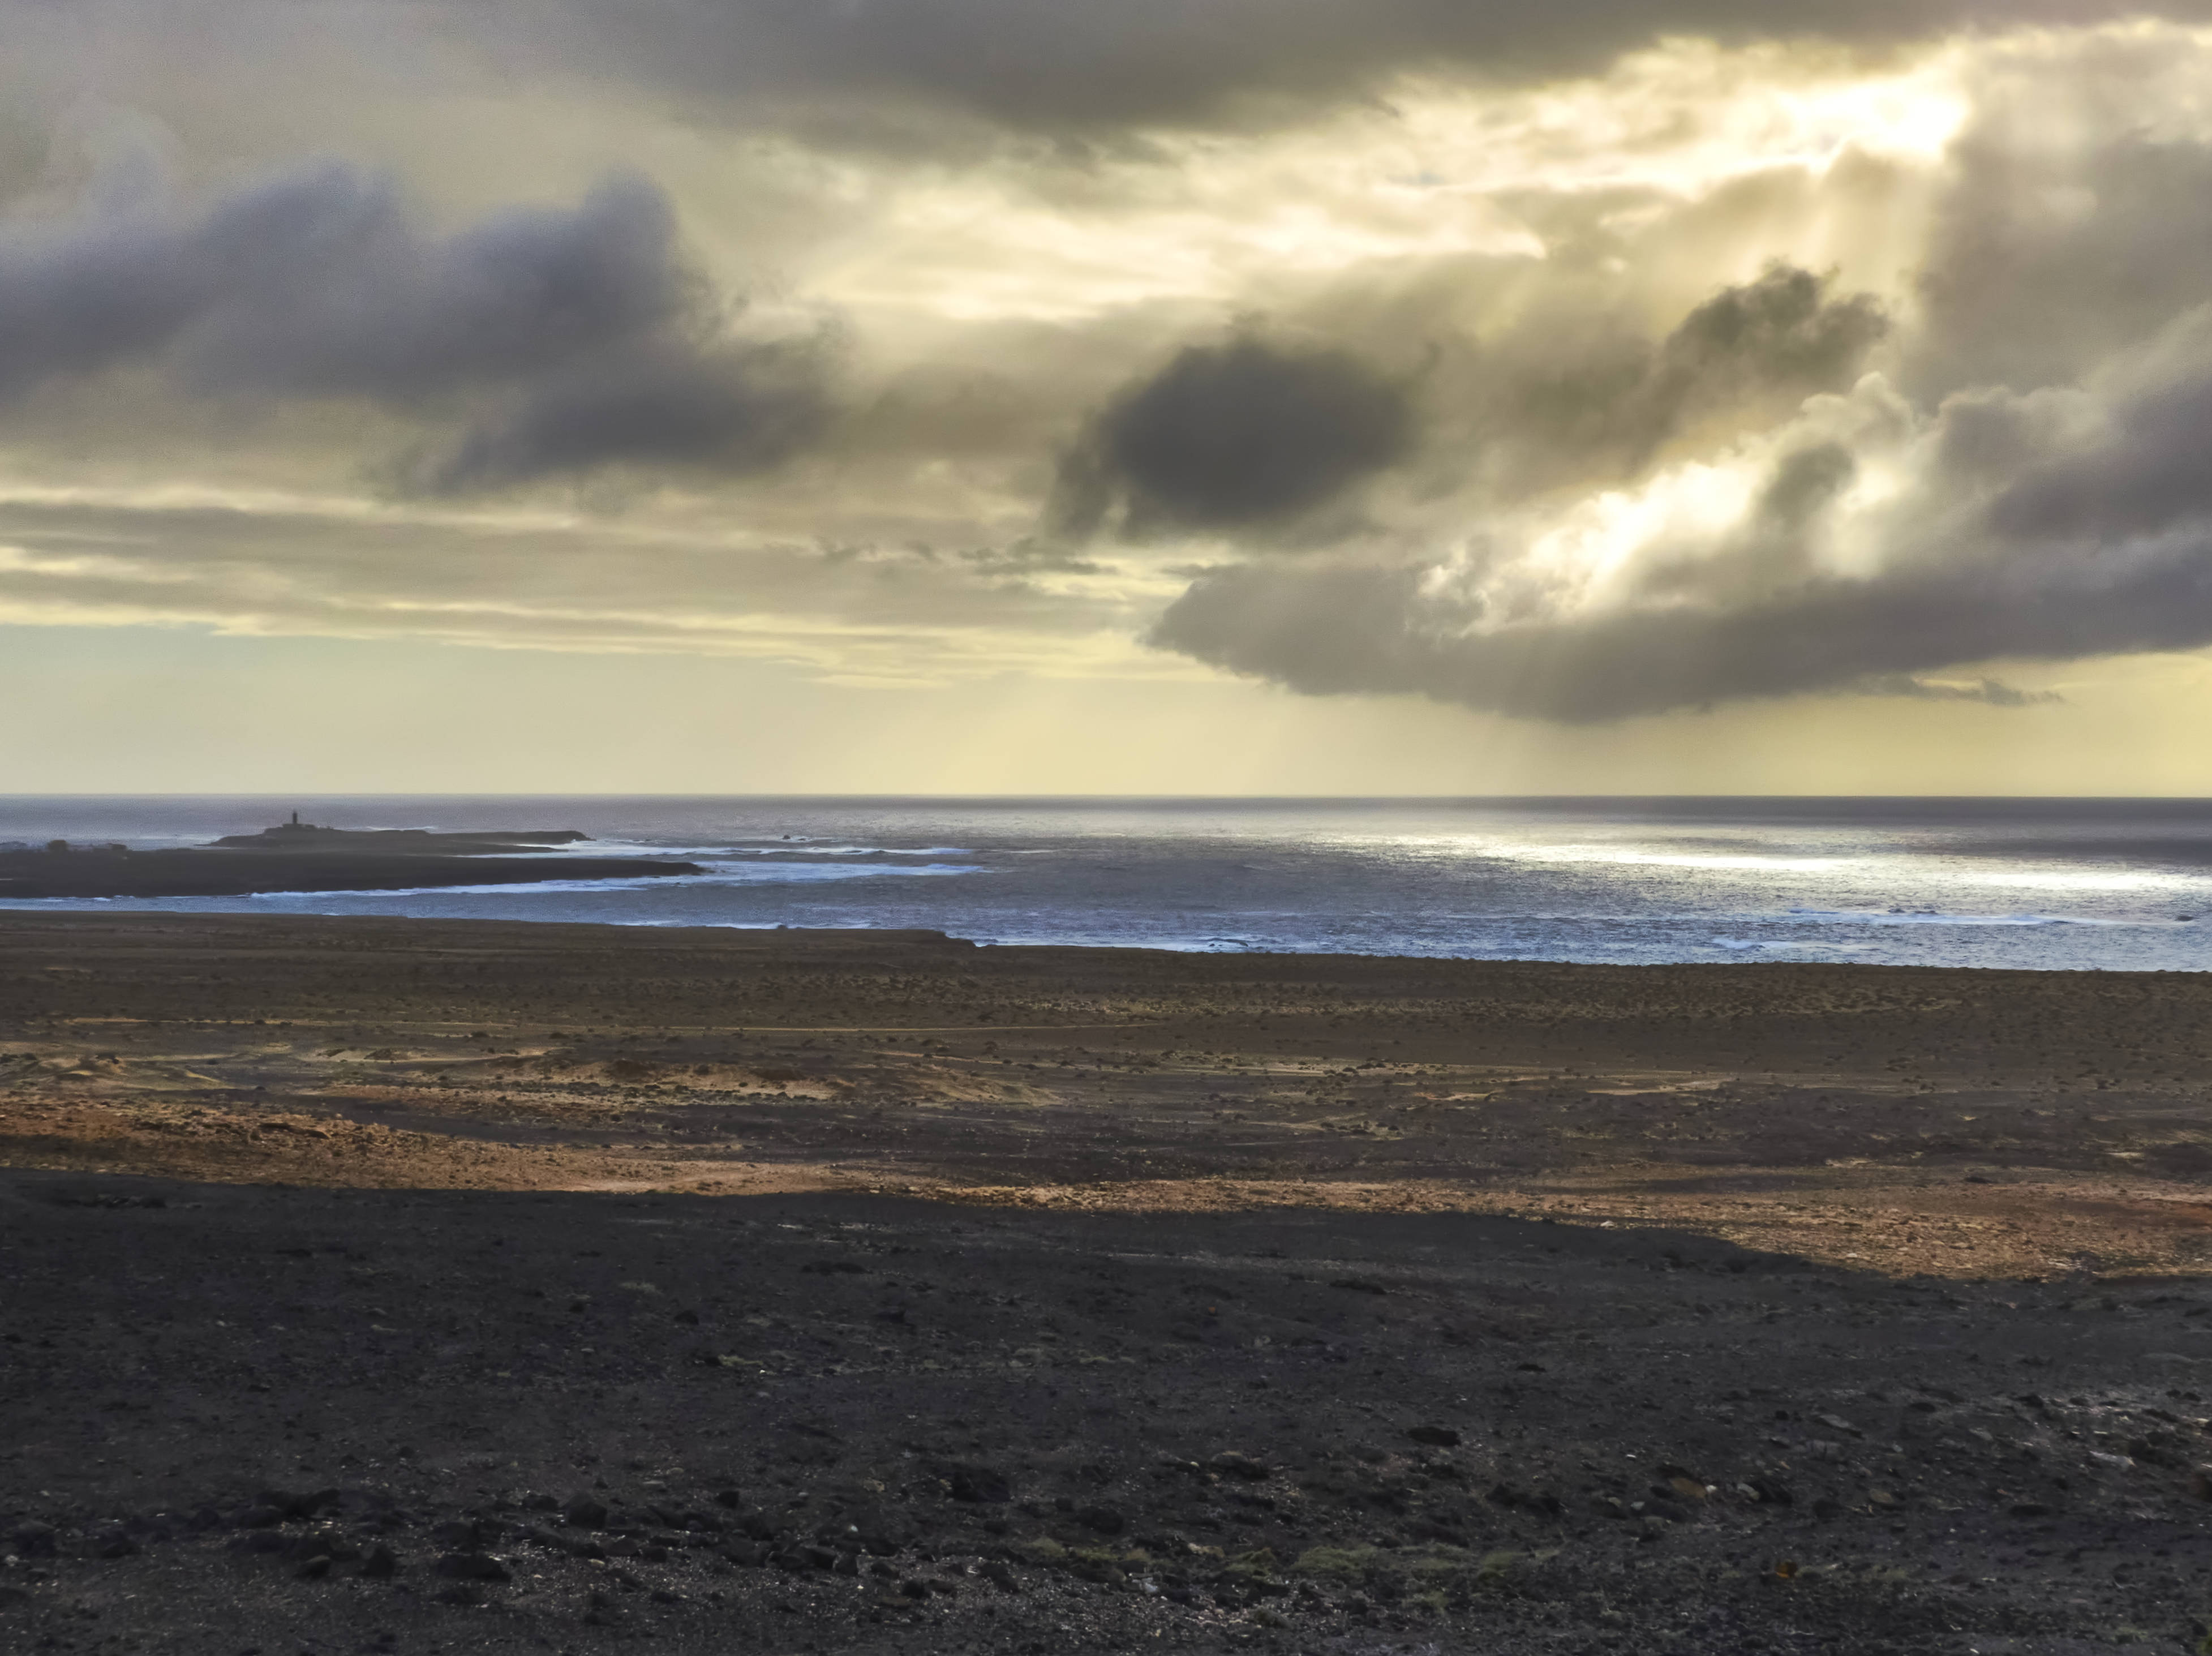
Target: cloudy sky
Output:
{"points": [[1279, 396]]}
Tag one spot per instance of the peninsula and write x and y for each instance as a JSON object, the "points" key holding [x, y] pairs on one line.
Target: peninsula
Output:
{"points": [[298, 856]]}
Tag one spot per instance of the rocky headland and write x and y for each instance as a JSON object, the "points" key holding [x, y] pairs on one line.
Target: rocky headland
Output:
{"points": [[298, 856]]}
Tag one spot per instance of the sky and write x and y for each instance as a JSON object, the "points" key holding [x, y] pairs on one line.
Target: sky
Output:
{"points": [[1183, 396]]}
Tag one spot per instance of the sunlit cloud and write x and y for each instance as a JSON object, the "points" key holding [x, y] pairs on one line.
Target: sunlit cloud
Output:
{"points": [[1571, 368]]}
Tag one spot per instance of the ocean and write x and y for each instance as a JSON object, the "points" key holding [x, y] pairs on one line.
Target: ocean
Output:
{"points": [[2076, 885]]}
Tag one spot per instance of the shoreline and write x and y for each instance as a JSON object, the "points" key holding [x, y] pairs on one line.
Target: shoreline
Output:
{"points": [[1747, 960], [94, 876]]}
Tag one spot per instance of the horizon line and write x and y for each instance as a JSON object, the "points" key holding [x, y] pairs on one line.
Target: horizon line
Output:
{"points": [[1073, 798]]}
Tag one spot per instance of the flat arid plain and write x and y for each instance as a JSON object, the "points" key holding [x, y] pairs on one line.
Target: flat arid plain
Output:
{"points": [[405, 1285]]}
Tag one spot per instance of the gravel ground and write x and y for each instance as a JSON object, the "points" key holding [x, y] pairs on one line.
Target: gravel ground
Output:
{"points": [[417, 1287], [241, 1419]]}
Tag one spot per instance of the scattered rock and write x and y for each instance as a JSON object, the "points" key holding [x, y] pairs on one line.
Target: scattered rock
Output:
{"points": [[472, 1566], [298, 1505], [585, 1512], [971, 1482], [64, 1196], [573, 1546], [380, 1565], [1507, 1494], [1232, 1463]]}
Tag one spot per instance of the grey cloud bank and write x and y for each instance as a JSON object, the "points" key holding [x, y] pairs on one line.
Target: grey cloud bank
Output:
{"points": [[1043, 64], [1484, 412], [1231, 435], [2028, 478], [2066, 550], [563, 339]]}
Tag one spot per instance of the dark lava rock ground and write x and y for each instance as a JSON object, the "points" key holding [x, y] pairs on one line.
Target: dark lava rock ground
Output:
{"points": [[270, 1421]]}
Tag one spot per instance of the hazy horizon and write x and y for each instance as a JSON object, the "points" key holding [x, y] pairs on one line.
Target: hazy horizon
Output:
{"points": [[248, 795], [859, 796]]}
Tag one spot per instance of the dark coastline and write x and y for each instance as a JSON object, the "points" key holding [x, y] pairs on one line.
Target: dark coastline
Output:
{"points": [[207, 873]]}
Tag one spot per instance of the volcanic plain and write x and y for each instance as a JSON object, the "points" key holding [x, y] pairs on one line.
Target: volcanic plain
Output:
{"points": [[394, 1285]]}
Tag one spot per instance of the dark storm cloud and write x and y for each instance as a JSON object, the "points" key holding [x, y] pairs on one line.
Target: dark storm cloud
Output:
{"points": [[1233, 435], [1780, 333], [2044, 263], [1755, 348], [580, 326], [2043, 527], [319, 282], [1334, 629], [1051, 64], [2032, 483], [2153, 472], [731, 409]]}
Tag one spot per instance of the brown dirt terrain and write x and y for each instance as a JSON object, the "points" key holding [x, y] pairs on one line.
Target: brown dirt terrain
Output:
{"points": [[1959, 1124], [1895, 1277]]}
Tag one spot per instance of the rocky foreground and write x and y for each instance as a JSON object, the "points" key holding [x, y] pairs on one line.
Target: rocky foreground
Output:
{"points": [[240, 1418], [376, 1285]]}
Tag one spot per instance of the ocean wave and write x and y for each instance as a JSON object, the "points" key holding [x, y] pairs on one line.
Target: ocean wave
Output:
{"points": [[741, 849], [1619, 856], [770, 874], [2042, 879], [1942, 917]]}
